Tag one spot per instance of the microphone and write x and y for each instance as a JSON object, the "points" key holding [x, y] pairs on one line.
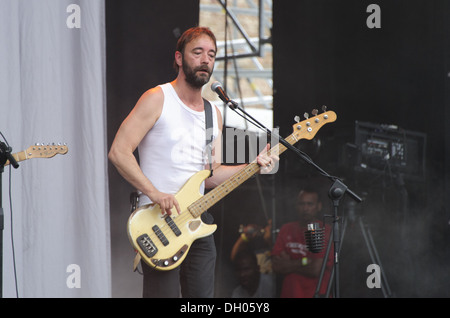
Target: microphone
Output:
{"points": [[217, 87], [315, 238]]}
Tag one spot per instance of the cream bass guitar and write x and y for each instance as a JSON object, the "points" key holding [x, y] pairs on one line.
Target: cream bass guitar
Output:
{"points": [[163, 241]]}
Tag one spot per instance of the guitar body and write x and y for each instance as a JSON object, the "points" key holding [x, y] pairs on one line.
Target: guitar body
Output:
{"points": [[161, 243]]}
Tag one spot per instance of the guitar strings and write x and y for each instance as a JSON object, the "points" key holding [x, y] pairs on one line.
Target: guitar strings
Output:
{"points": [[195, 210]]}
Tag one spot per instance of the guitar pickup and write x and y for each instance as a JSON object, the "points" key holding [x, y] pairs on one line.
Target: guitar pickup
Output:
{"points": [[172, 225], [160, 235], [147, 245]]}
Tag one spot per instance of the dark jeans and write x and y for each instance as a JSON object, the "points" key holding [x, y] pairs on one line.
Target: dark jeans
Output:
{"points": [[194, 278]]}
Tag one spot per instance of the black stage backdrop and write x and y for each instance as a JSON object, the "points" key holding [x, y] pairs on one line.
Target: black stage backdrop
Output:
{"points": [[324, 54], [141, 39], [398, 74]]}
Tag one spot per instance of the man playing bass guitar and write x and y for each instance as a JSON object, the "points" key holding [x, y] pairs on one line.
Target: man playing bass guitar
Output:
{"points": [[167, 125]]}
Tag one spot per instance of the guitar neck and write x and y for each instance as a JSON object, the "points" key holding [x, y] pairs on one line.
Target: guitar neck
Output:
{"points": [[222, 190]]}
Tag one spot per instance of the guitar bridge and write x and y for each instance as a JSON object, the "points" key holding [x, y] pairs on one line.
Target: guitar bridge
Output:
{"points": [[147, 245]]}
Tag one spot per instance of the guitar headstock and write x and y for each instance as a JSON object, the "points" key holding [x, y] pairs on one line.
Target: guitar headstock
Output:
{"points": [[46, 151], [308, 128]]}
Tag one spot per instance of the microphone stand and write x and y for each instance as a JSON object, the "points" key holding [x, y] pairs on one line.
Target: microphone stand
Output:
{"points": [[5, 155], [336, 192]]}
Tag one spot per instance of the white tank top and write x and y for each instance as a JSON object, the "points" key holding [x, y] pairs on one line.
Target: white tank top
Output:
{"points": [[174, 149]]}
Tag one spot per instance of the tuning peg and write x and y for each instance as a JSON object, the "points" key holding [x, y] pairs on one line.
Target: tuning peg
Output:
{"points": [[297, 119], [324, 108], [314, 112], [306, 115]]}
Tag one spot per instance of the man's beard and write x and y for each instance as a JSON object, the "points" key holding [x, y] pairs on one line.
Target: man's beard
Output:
{"points": [[196, 81]]}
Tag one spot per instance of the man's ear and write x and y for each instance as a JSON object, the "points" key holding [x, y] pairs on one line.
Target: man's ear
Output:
{"points": [[178, 58]]}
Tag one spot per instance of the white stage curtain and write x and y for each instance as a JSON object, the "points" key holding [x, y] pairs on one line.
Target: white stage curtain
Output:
{"points": [[53, 89]]}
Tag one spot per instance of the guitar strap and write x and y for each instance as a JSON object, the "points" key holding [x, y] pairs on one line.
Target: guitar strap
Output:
{"points": [[209, 132]]}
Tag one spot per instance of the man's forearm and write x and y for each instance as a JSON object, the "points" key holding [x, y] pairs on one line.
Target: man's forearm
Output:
{"points": [[128, 168]]}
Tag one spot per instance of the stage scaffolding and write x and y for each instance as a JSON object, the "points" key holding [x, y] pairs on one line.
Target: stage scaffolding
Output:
{"points": [[244, 59]]}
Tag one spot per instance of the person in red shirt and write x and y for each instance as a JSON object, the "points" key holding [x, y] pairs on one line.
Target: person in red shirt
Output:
{"points": [[291, 257]]}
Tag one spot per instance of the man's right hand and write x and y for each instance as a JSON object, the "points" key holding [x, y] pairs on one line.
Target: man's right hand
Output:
{"points": [[165, 201]]}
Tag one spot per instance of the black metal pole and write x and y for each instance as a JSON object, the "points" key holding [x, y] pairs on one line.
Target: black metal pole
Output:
{"points": [[5, 155]]}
